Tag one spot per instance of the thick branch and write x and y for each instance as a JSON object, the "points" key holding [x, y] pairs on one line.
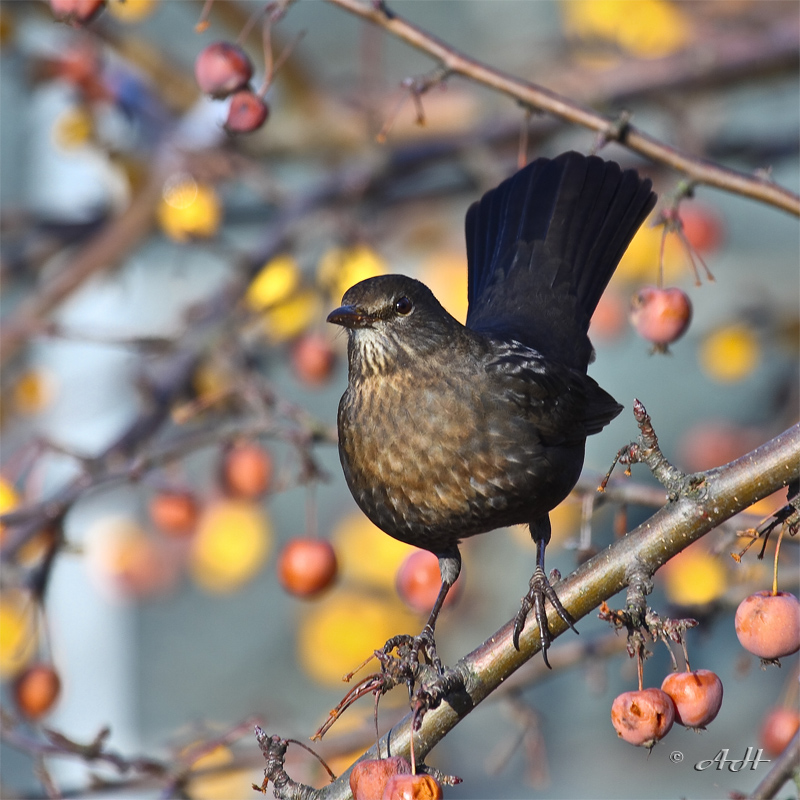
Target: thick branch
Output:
{"points": [[538, 97], [725, 491]]}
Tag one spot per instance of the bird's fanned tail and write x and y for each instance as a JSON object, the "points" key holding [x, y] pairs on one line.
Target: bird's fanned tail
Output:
{"points": [[542, 246]]}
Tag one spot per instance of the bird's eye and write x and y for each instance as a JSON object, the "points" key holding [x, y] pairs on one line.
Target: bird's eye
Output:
{"points": [[403, 306]]}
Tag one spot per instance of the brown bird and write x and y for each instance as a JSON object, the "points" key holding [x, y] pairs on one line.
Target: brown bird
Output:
{"points": [[447, 431]]}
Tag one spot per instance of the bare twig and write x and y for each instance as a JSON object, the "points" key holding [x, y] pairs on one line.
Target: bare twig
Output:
{"points": [[538, 97]]}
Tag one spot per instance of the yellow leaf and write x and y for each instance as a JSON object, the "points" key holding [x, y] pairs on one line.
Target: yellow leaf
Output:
{"points": [[232, 543], [730, 354], [342, 267], [340, 633], [18, 632], [290, 318], [273, 284], [131, 10], [9, 499], [644, 28], [694, 578], [445, 273], [188, 210], [73, 128], [34, 391], [366, 554]]}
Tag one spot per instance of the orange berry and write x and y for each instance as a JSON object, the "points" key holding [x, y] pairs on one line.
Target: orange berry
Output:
{"points": [[643, 717], [247, 470], [36, 690], [174, 512], [313, 358], [697, 696], [307, 566], [368, 778], [702, 227], [769, 625], [608, 319], [778, 729], [418, 582]]}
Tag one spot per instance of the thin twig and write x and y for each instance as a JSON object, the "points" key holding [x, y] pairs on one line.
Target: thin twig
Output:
{"points": [[538, 97]]}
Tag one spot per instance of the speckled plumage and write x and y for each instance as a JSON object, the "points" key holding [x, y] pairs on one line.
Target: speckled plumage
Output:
{"points": [[447, 431]]}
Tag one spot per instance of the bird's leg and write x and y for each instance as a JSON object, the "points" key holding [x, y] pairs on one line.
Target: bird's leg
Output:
{"points": [[425, 642], [540, 589]]}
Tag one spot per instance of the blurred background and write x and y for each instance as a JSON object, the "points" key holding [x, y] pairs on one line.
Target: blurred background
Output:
{"points": [[170, 386]]}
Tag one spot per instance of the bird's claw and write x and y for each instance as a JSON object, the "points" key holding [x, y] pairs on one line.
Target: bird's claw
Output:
{"points": [[540, 589], [412, 647]]}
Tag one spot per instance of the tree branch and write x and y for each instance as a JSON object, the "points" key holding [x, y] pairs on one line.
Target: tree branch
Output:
{"points": [[529, 94], [717, 495]]}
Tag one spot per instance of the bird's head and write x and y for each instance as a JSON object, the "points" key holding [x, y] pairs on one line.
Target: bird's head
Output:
{"points": [[390, 319]]}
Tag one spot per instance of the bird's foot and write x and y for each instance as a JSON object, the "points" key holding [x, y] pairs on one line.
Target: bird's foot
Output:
{"points": [[540, 589], [413, 647]]}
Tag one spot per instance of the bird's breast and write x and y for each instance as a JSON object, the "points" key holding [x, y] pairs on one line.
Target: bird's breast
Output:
{"points": [[436, 455]]}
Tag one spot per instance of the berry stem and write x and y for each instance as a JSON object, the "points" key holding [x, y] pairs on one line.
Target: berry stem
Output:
{"points": [[775, 566], [661, 257], [640, 668]]}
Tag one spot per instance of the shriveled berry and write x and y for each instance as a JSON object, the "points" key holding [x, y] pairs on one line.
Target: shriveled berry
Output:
{"points": [[778, 729], [768, 625], [246, 113], [36, 690], [307, 566], [412, 787], [222, 68], [643, 717], [368, 779], [660, 316], [247, 470], [697, 696]]}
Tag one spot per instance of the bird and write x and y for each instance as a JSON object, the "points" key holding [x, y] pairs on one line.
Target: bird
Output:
{"points": [[447, 430]]}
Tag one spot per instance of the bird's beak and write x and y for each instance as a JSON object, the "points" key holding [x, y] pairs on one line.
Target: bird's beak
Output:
{"points": [[350, 317]]}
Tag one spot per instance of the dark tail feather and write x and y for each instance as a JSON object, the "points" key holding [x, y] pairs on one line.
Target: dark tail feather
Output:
{"points": [[543, 245]]}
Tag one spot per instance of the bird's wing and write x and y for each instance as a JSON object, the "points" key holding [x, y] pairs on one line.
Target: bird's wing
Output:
{"points": [[565, 404], [542, 246]]}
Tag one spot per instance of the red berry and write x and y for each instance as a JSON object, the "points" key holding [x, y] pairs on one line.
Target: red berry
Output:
{"points": [[660, 315], [313, 359], [247, 470], [36, 690], [608, 319], [412, 787], [643, 717], [418, 582], [769, 625], [76, 12], [307, 566], [246, 113], [222, 68], [697, 696], [174, 512], [702, 227], [778, 729], [368, 778]]}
